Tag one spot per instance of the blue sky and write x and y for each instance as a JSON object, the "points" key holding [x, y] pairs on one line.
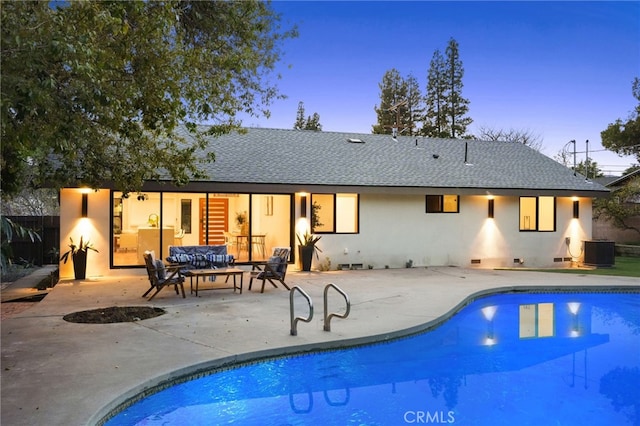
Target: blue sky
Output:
{"points": [[562, 70]]}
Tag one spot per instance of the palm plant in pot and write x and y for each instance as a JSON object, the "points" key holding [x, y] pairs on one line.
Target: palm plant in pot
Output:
{"points": [[78, 254], [308, 246]]}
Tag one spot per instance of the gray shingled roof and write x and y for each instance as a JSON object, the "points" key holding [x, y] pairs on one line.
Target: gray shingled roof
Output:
{"points": [[298, 157]]}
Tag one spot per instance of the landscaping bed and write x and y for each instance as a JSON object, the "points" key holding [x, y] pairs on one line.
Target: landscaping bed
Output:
{"points": [[114, 314]]}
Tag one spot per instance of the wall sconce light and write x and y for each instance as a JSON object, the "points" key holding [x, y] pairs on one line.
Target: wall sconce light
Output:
{"points": [[490, 210], [85, 205], [576, 209], [303, 206]]}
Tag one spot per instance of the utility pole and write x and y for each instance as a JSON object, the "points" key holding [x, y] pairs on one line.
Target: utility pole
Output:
{"points": [[587, 161]]}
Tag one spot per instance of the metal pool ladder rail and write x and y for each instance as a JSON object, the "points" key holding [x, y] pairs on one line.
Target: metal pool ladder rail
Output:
{"points": [[327, 316], [294, 320]]}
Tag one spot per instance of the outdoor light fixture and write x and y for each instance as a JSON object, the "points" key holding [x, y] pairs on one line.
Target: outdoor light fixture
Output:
{"points": [[85, 205], [576, 209], [303, 206], [490, 212]]}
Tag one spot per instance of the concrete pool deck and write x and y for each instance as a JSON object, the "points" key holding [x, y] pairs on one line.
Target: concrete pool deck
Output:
{"points": [[60, 373]]}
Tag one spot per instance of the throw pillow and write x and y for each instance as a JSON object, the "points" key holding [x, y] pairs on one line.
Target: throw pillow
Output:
{"points": [[275, 262], [162, 273]]}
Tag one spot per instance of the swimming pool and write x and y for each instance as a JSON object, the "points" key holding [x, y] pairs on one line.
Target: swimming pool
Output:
{"points": [[526, 359]]}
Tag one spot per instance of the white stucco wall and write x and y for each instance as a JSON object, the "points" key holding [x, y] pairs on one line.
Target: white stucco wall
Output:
{"points": [[396, 229], [95, 227], [393, 230]]}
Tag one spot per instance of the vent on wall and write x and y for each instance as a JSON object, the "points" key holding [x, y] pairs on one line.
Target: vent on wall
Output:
{"points": [[557, 259], [475, 261]]}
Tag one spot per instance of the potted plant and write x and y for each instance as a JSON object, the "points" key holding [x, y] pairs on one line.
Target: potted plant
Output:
{"points": [[243, 224], [308, 246], [78, 254]]}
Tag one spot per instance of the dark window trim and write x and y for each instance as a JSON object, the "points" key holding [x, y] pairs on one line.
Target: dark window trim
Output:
{"points": [[441, 204], [335, 215], [206, 194], [537, 228]]}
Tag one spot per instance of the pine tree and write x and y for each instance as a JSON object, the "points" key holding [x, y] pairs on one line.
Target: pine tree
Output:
{"points": [[313, 122], [434, 122], [392, 112], [300, 123], [415, 104], [457, 106]]}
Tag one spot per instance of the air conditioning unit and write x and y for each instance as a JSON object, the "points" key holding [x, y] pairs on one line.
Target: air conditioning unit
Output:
{"points": [[600, 253]]}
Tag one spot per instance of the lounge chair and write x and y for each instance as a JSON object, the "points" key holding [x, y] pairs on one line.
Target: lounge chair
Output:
{"points": [[274, 269], [161, 276]]}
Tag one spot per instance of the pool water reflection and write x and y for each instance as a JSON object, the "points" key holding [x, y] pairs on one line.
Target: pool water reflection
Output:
{"points": [[526, 359]]}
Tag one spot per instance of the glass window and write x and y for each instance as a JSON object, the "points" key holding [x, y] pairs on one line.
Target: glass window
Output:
{"points": [[537, 320], [270, 225], [546, 214], [185, 216], [334, 213], [528, 213], [250, 225], [537, 214], [322, 211], [346, 213], [442, 204], [136, 227]]}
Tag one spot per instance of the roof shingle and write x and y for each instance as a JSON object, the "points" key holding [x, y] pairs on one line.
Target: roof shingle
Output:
{"points": [[299, 157]]}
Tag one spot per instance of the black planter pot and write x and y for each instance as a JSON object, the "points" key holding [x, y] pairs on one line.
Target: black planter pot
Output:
{"points": [[306, 256], [80, 265]]}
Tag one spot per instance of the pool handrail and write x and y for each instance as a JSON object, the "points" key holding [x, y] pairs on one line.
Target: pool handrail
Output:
{"points": [[294, 320], [327, 316]]}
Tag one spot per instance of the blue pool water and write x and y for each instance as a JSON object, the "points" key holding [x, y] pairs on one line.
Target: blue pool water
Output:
{"points": [[509, 359]]}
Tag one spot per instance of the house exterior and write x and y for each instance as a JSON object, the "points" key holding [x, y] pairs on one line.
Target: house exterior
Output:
{"points": [[377, 202]]}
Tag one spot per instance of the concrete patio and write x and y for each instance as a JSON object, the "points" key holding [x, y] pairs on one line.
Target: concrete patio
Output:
{"points": [[60, 373]]}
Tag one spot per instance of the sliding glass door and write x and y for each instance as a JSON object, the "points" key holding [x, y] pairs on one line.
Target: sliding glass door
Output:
{"points": [[251, 225]]}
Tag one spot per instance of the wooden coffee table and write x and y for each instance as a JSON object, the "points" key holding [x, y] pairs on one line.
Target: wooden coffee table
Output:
{"points": [[225, 272]]}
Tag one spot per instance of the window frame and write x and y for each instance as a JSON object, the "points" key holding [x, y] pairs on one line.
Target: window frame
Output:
{"points": [[334, 213], [538, 213], [441, 204]]}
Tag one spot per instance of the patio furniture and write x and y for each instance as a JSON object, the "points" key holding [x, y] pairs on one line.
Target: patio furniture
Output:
{"points": [[274, 269], [158, 278], [232, 241], [227, 272], [200, 257], [258, 243], [177, 239]]}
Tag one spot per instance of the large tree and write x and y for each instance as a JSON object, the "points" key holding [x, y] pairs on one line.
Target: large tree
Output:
{"points": [[300, 120], [623, 136], [622, 207], [525, 137], [446, 108], [392, 112], [435, 123], [456, 106], [312, 122], [589, 169], [96, 92], [415, 104]]}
